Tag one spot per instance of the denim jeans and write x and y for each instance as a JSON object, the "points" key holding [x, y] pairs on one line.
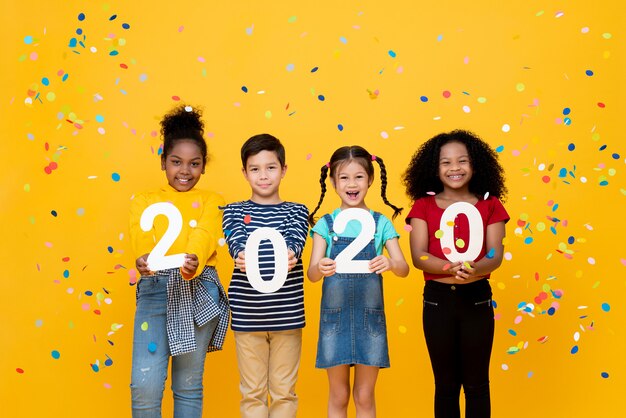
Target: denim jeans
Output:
{"points": [[459, 328], [151, 356]]}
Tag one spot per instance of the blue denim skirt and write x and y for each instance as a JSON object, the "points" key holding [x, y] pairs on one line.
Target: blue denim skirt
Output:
{"points": [[352, 322]]}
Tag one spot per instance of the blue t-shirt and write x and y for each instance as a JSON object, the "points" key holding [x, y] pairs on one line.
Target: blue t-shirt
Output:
{"points": [[384, 231]]}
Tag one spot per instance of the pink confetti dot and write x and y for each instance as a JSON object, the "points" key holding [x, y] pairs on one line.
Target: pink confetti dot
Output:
{"points": [[518, 319], [446, 94], [195, 205], [181, 28], [516, 153], [309, 156], [408, 228], [85, 306], [48, 244], [107, 386], [33, 56]]}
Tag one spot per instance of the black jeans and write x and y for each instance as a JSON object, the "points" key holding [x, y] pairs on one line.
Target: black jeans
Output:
{"points": [[459, 327]]}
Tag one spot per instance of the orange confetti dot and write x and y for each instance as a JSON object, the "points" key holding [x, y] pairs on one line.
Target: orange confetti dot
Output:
{"points": [[446, 250], [247, 219]]}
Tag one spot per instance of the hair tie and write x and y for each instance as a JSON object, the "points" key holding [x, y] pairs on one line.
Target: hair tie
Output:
{"points": [[327, 165], [373, 157]]}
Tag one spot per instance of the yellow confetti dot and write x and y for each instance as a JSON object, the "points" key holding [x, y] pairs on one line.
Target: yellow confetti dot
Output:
{"points": [[562, 246], [460, 243], [524, 217], [51, 96], [501, 286], [402, 329], [579, 274], [541, 226], [438, 234], [595, 285], [450, 223], [424, 257]]}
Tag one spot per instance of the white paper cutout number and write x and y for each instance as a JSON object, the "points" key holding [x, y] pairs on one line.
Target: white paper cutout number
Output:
{"points": [[476, 230], [253, 271], [345, 262], [157, 260]]}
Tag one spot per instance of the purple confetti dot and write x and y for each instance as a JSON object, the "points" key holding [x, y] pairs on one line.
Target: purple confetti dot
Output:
{"points": [[108, 362], [79, 31], [88, 292]]}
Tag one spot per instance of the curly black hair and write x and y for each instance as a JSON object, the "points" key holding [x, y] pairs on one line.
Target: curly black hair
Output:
{"points": [[359, 154], [183, 123], [422, 174]]}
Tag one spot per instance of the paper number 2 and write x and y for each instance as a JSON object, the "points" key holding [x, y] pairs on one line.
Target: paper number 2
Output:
{"points": [[345, 259], [157, 260]]}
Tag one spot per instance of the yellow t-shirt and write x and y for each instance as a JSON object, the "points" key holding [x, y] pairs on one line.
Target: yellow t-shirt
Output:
{"points": [[202, 223]]}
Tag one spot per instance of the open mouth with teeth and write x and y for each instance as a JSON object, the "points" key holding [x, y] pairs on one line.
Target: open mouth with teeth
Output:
{"points": [[352, 195], [183, 181]]}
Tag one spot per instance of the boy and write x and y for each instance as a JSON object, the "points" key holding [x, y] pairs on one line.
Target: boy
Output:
{"points": [[267, 326]]}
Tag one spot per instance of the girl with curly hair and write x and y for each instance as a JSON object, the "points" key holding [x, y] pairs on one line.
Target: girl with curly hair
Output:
{"points": [[458, 225]]}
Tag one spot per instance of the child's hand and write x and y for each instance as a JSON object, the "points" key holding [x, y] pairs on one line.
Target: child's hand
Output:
{"points": [[327, 266], [142, 265], [240, 261], [466, 271], [291, 260], [453, 269], [190, 267], [379, 264]]}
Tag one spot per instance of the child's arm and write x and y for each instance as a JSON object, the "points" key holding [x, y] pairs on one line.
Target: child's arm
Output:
{"points": [[320, 265], [394, 263], [420, 256], [296, 229], [235, 234], [202, 240], [474, 269]]}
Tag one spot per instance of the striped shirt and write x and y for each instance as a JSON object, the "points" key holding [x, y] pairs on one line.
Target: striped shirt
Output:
{"points": [[252, 310]]}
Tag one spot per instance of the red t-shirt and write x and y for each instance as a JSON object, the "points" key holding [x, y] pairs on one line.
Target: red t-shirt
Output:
{"points": [[425, 208]]}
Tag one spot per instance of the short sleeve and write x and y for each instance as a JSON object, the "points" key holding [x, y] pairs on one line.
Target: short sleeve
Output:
{"points": [[498, 212], [321, 228], [418, 210], [386, 229]]}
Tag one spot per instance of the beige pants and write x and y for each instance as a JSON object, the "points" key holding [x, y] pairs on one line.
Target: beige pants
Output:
{"points": [[268, 365]]}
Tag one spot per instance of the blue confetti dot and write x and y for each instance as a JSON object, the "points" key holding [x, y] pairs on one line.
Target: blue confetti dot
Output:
{"points": [[113, 53], [343, 40], [392, 54], [95, 368], [115, 177], [79, 31], [108, 362], [606, 307], [500, 148], [571, 147], [615, 156], [244, 89], [553, 230], [66, 273], [65, 76], [604, 375], [602, 148], [314, 69], [113, 17], [494, 304], [110, 249], [567, 111], [321, 98], [512, 332], [53, 213], [491, 253], [439, 38], [589, 73], [99, 118], [152, 347], [290, 67], [529, 375], [45, 81], [604, 183], [567, 121], [551, 311], [562, 173], [28, 40], [340, 127], [528, 240], [81, 16], [555, 207], [73, 43], [88, 292], [125, 25], [574, 349], [55, 354], [571, 240], [424, 99]]}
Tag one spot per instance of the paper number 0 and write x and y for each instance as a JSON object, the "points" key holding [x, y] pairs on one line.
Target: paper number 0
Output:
{"points": [[345, 259], [476, 229], [157, 260], [253, 271]]}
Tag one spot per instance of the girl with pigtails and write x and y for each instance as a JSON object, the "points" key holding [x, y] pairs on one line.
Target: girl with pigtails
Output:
{"points": [[352, 319]]}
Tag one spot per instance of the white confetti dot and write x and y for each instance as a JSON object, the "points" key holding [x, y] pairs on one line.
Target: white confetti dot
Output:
{"points": [[466, 109], [576, 336], [93, 49], [541, 167], [583, 179], [188, 109], [508, 256], [506, 127], [505, 367], [384, 134], [591, 261], [193, 223], [221, 242]]}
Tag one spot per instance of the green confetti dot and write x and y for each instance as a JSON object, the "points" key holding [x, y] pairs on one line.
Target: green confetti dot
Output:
{"points": [[438, 234], [460, 243], [607, 35], [27, 187], [482, 100], [144, 326], [268, 114], [292, 19], [520, 87], [541, 227]]}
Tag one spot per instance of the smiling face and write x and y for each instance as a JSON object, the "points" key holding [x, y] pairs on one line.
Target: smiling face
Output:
{"points": [[351, 183], [264, 172], [184, 165], [455, 167]]}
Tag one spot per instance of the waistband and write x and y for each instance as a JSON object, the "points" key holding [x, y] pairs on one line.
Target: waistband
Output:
{"points": [[476, 286]]}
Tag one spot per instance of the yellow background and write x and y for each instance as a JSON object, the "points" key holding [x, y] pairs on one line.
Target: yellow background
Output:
{"points": [[510, 63]]}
